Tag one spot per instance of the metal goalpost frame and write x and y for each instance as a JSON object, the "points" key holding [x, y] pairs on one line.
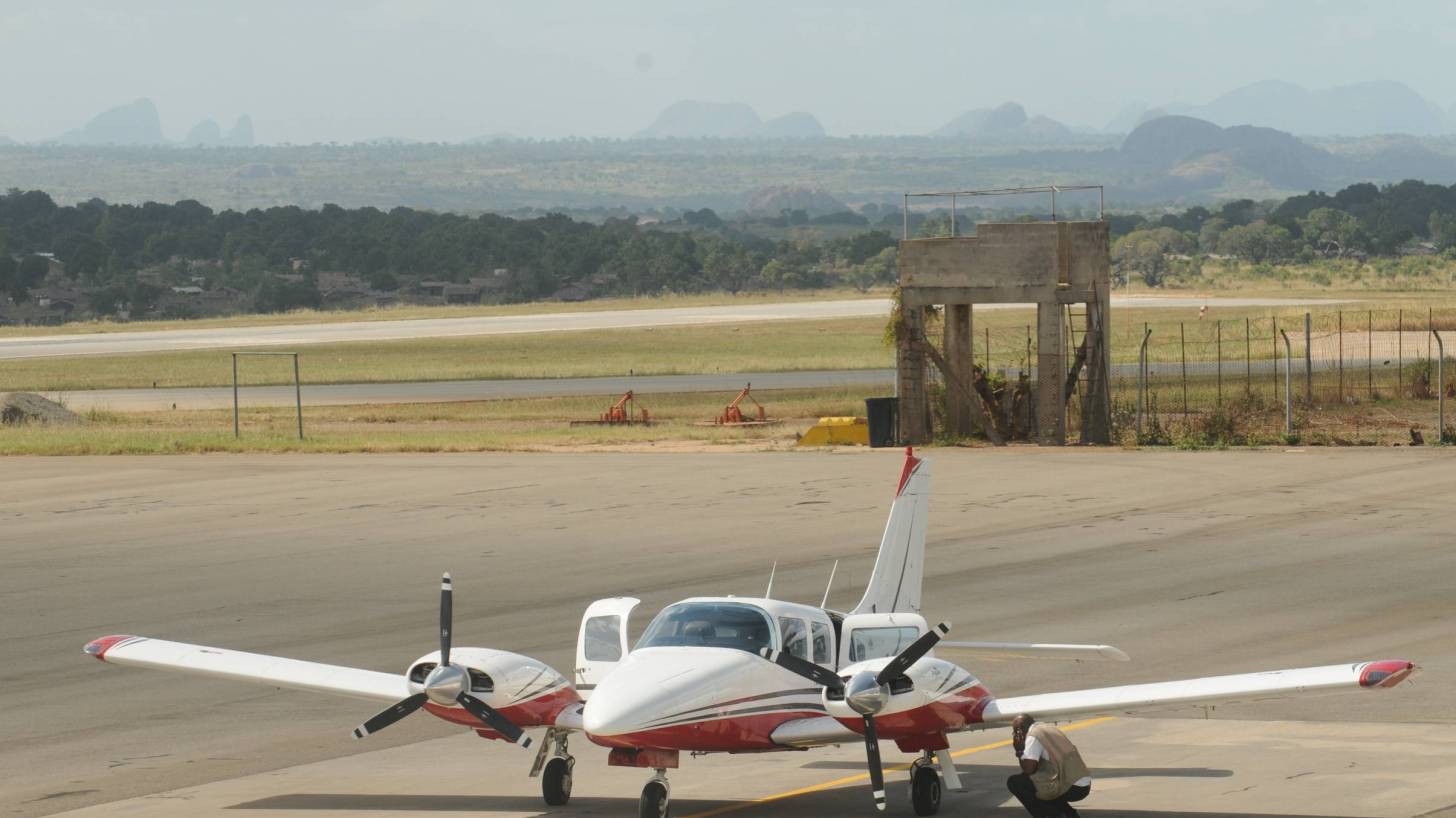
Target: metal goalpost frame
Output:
{"points": [[297, 389]]}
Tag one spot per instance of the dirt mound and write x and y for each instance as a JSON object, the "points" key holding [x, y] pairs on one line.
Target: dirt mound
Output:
{"points": [[28, 407]]}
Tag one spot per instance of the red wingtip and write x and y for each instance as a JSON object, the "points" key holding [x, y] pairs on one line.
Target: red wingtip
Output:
{"points": [[99, 647], [911, 461], [1388, 673]]}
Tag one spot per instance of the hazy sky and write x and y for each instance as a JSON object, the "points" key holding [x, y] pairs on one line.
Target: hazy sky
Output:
{"points": [[331, 70]]}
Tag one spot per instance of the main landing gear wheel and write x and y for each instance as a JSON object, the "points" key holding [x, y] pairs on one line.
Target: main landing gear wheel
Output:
{"points": [[556, 781], [654, 803], [925, 789]]}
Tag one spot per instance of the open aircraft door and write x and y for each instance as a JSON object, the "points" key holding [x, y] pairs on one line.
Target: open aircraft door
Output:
{"points": [[877, 635], [602, 643]]}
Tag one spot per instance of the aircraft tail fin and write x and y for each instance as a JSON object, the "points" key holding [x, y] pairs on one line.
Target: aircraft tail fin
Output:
{"points": [[894, 586]]}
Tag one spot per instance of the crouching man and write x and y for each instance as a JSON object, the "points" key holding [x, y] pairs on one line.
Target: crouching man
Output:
{"points": [[1052, 772]]}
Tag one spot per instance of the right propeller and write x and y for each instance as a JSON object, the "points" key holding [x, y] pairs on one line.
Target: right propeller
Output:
{"points": [[446, 685], [865, 693]]}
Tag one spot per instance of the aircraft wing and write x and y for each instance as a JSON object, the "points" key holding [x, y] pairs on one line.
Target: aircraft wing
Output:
{"points": [[219, 663], [1035, 650], [1243, 687]]}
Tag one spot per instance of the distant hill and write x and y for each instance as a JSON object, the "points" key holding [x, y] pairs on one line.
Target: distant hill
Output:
{"points": [[1361, 109], [136, 123], [797, 125], [1006, 122], [204, 133], [5, 140], [692, 119], [241, 135]]}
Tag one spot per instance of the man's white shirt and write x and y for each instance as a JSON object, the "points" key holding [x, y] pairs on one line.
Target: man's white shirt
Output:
{"points": [[1035, 752]]}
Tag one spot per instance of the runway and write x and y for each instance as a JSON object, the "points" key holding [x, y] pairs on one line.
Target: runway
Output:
{"points": [[114, 343], [1195, 563]]}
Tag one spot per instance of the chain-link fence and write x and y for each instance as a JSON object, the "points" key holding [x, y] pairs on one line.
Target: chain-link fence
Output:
{"points": [[1354, 376]]}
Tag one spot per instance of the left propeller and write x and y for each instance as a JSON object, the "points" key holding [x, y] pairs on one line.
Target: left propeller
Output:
{"points": [[446, 685]]}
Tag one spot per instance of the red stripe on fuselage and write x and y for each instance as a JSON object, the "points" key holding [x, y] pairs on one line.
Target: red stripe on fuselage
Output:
{"points": [[732, 734]]}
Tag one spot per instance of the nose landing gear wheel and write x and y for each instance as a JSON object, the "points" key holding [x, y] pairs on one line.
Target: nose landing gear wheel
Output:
{"points": [[925, 789], [654, 803], [556, 781]]}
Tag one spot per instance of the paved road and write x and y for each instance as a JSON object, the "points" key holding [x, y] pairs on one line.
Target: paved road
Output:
{"points": [[303, 334], [1195, 563]]}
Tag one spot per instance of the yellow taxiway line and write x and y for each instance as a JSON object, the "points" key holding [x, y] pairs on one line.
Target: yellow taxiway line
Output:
{"points": [[852, 779]]}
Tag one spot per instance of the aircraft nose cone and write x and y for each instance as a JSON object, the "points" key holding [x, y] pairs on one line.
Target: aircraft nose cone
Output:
{"points": [[654, 686]]}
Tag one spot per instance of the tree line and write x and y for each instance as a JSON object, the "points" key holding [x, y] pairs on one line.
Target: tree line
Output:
{"points": [[105, 247], [1359, 221]]}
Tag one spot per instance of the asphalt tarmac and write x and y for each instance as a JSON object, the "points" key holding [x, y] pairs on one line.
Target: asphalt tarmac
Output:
{"points": [[112, 343], [1194, 563]]}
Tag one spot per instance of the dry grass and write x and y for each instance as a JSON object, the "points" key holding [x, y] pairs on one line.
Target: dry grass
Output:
{"points": [[411, 311], [504, 425]]}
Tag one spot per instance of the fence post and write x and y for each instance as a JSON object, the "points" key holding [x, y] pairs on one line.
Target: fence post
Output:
{"points": [[1288, 387], [988, 349], [1370, 355], [237, 431], [1248, 358], [1183, 352], [1142, 379], [1340, 335], [298, 395], [1440, 389], [1218, 353], [1400, 354], [1309, 364]]}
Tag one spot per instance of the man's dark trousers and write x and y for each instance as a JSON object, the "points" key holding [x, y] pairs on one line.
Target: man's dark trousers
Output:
{"points": [[1020, 786]]}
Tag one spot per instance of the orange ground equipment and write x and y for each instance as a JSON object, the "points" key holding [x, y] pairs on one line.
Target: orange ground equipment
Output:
{"points": [[625, 412], [733, 413]]}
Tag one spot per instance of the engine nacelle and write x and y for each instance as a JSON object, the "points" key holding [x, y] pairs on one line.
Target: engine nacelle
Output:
{"points": [[527, 691], [933, 696]]}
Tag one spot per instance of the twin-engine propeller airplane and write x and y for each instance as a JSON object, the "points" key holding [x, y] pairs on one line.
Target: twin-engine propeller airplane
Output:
{"points": [[736, 675]]}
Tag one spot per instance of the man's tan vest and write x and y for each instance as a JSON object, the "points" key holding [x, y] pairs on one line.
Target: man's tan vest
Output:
{"points": [[1062, 766]]}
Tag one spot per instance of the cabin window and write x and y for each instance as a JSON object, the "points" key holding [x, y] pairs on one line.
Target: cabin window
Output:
{"points": [[710, 624], [603, 641], [795, 640], [823, 643], [876, 643]]}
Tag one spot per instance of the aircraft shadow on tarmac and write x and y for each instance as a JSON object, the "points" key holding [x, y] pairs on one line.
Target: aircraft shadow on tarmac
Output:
{"points": [[988, 772]]}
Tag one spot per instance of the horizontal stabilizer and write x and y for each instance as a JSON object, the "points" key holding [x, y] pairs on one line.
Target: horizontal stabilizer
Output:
{"points": [[1036, 650], [1243, 687]]}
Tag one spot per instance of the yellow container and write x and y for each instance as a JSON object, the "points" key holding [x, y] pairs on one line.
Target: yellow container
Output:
{"points": [[837, 432]]}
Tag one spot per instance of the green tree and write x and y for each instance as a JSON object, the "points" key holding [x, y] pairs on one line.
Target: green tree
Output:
{"points": [[1442, 230], [1145, 253], [1331, 232], [1257, 243]]}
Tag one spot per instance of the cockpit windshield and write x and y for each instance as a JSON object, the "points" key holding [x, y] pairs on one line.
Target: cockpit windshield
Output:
{"points": [[710, 624]]}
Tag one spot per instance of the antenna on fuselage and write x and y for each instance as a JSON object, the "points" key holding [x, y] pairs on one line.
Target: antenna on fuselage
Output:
{"points": [[824, 603], [768, 594]]}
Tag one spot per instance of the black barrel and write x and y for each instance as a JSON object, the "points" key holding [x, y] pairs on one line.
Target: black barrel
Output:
{"points": [[884, 421]]}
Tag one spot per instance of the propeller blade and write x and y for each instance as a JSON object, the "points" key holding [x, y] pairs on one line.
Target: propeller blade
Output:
{"points": [[446, 615], [394, 713], [493, 719], [877, 774], [909, 656], [814, 673]]}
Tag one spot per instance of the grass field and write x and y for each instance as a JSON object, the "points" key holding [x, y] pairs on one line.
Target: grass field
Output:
{"points": [[412, 311]]}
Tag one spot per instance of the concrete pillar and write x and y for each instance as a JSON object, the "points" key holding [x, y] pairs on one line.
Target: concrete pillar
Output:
{"points": [[910, 372], [957, 348], [1051, 372], [1097, 413]]}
